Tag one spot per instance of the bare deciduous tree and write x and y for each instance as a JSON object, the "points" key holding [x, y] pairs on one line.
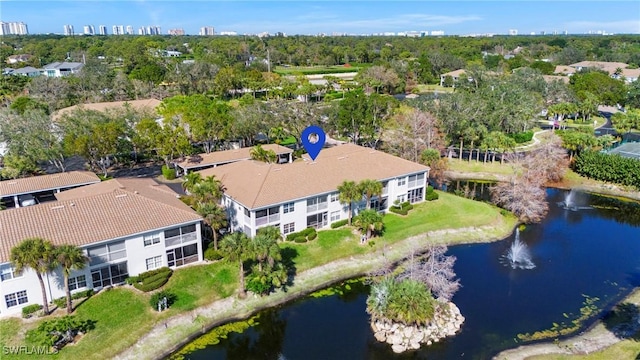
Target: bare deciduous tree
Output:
{"points": [[435, 269]]}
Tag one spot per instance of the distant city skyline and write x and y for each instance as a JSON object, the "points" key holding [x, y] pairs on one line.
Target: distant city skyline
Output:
{"points": [[332, 17]]}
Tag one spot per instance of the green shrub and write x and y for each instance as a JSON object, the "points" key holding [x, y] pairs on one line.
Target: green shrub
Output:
{"points": [[212, 254], [308, 231], [312, 236], [339, 223], [522, 137], [82, 294], [609, 168], [399, 211], [60, 302], [29, 310], [300, 239], [431, 194], [168, 172], [151, 280], [50, 332], [132, 280], [160, 295], [306, 234], [256, 286]]}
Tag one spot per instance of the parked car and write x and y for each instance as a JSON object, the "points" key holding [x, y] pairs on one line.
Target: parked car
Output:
{"points": [[27, 200]]}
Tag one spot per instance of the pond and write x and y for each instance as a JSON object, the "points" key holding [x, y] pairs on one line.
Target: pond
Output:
{"points": [[586, 252]]}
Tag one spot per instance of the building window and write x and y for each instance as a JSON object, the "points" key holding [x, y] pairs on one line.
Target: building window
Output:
{"points": [[154, 262], [317, 220], [416, 180], [379, 204], [180, 235], [288, 207], [289, 228], [246, 212], [335, 216], [151, 239], [402, 181], [415, 195], [267, 216], [17, 298], [316, 203], [108, 252], [335, 197], [385, 187], [402, 198], [182, 255], [77, 282], [8, 273], [109, 275]]}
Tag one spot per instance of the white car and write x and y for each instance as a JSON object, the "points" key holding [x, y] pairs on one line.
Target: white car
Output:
{"points": [[27, 200]]}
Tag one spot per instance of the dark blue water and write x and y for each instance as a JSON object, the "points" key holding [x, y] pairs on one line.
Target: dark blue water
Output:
{"points": [[594, 252]]}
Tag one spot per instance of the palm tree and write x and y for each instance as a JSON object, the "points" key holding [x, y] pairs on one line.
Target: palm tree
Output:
{"points": [[190, 180], [370, 188], [349, 193], [235, 246], [215, 216], [265, 249], [208, 190], [260, 154], [39, 255], [369, 221], [69, 258]]}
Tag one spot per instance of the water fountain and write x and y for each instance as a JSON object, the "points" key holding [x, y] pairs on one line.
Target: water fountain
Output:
{"points": [[518, 256], [569, 202]]}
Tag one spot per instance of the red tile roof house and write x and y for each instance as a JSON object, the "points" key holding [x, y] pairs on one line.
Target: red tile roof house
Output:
{"points": [[11, 191], [124, 226], [294, 196]]}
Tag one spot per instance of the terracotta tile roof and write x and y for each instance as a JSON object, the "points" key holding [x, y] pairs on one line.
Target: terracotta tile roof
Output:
{"points": [[226, 156], [609, 67], [255, 184], [454, 73], [90, 219], [143, 186], [46, 182], [631, 73], [563, 69], [151, 104]]}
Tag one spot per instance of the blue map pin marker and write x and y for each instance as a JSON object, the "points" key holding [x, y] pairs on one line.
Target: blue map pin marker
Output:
{"points": [[313, 139]]}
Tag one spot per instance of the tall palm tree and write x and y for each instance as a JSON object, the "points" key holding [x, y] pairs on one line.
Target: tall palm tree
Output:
{"points": [[69, 258], [349, 193], [215, 216], [236, 247], [190, 180], [39, 255], [370, 188], [265, 249], [369, 221]]}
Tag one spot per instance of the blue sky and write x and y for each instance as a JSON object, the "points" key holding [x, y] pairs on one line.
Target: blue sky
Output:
{"points": [[312, 17]]}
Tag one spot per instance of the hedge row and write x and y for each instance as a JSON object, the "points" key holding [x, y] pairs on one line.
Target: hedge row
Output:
{"points": [[151, 280], [62, 301], [339, 223], [609, 168], [29, 310], [168, 173], [402, 209], [305, 235]]}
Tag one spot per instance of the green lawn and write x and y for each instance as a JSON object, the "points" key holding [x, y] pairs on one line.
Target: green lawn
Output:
{"points": [[480, 166], [427, 88], [123, 314]]}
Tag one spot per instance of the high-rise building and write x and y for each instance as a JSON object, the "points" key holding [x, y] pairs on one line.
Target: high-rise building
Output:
{"points": [[142, 31], [513, 31], [89, 30], [13, 28], [130, 30], [102, 30], [175, 32], [117, 30], [206, 31], [437, 33], [68, 30]]}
